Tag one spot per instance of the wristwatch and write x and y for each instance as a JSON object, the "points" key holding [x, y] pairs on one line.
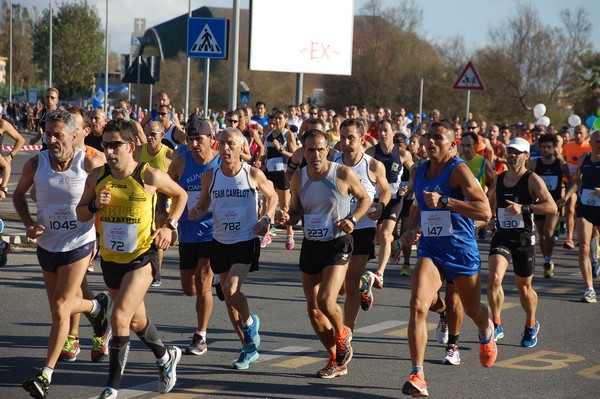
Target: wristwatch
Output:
{"points": [[352, 219], [444, 201], [171, 224]]}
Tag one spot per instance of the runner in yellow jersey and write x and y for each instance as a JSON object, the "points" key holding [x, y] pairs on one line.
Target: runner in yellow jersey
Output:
{"points": [[122, 193]]}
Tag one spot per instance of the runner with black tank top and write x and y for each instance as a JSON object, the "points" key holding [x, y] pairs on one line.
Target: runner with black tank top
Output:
{"points": [[372, 176], [588, 212], [280, 145], [394, 160], [519, 194], [552, 171]]}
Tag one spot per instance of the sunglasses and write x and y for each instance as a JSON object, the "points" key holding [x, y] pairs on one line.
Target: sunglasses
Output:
{"points": [[152, 134], [113, 145], [162, 113], [232, 120]]}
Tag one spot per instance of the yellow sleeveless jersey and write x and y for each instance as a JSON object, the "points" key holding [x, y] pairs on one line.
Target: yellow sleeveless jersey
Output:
{"points": [[477, 167], [127, 223], [156, 161]]}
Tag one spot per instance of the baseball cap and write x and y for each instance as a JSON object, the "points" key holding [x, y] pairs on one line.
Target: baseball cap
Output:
{"points": [[519, 144], [198, 127]]}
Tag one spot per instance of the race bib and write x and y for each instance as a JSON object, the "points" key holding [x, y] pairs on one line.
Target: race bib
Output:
{"points": [[230, 219], [119, 237], [436, 223], [510, 221], [61, 217], [318, 227], [275, 164], [589, 197], [551, 182]]}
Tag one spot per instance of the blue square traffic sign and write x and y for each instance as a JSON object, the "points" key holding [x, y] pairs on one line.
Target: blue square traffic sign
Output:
{"points": [[207, 38]]}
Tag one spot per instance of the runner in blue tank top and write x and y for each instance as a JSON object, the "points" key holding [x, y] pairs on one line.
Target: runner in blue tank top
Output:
{"points": [[195, 236], [447, 201]]}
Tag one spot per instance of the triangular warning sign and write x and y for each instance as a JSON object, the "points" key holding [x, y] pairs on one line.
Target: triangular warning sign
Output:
{"points": [[206, 43], [469, 79]]}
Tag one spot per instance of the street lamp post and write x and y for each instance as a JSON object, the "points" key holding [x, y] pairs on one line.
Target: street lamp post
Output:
{"points": [[50, 50], [106, 64]]}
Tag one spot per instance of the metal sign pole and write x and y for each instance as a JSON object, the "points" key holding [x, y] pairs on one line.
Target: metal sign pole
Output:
{"points": [[299, 87], [468, 103], [187, 73], [139, 85], [206, 82], [235, 42]]}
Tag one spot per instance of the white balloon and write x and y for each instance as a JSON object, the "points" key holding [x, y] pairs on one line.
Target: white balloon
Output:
{"points": [[543, 121], [574, 120], [539, 110], [571, 131]]}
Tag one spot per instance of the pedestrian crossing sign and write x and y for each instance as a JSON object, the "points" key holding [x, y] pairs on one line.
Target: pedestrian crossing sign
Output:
{"points": [[207, 38]]}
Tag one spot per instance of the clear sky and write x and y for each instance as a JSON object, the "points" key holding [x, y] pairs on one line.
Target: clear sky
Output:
{"points": [[441, 18]]}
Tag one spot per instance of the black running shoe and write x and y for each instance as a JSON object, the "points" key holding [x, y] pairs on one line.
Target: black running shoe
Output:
{"points": [[101, 321], [37, 386]]}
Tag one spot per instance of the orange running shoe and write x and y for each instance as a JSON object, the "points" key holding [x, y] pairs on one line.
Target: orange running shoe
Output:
{"points": [[415, 386], [488, 350], [343, 347]]}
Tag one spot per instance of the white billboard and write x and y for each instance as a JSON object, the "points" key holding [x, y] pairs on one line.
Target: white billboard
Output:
{"points": [[310, 36]]}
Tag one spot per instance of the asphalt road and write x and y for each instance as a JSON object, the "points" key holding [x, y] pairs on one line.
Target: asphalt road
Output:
{"points": [[564, 364]]}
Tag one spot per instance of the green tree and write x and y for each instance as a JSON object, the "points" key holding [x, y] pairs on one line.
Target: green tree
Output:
{"points": [[529, 62], [24, 72], [588, 102], [389, 60], [78, 48]]}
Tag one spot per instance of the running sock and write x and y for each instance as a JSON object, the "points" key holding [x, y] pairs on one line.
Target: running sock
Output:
{"points": [[119, 350], [488, 335], [443, 312], [149, 336], [47, 371], [547, 259], [497, 320], [248, 323], [530, 323], [417, 370], [95, 308], [453, 338], [202, 334]]}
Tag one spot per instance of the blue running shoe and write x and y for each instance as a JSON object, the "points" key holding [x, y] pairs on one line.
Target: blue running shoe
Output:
{"points": [[251, 336], [245, 359], [498, 332], [529, 339]]}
